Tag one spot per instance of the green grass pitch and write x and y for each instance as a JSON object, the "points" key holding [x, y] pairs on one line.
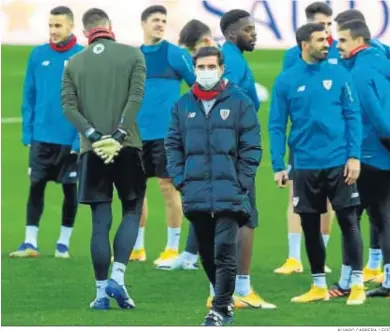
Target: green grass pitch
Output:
{"points": [[47, 291]]}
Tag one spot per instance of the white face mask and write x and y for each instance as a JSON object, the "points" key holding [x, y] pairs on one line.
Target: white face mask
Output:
{"points": [[207, 78]]}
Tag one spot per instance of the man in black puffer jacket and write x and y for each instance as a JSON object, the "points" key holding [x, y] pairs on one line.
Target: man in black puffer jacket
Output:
{"points": [[213, 151]]}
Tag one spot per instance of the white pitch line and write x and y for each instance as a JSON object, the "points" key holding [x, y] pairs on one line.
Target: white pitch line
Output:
{"points": [[11, 120]]}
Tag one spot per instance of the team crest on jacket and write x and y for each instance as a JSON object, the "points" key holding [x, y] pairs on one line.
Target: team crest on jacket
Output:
{"points": [[98, 48], [327, 84], [224, 113]]}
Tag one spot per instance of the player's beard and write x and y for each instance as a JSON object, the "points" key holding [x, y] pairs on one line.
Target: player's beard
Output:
{"points": [[156, 40], [243, 44], [319, 56]]}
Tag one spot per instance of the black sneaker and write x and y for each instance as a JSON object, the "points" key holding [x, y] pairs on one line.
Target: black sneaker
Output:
{"points": [[213, 319], [228, 316], [335, 291], [380, 291]]}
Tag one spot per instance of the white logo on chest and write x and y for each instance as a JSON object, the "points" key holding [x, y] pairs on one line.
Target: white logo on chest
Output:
{"points": [[327, 84], [224, 113], [191, 115]]}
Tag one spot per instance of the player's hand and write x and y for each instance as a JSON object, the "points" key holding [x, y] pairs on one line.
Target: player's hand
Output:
{"points": [[281, 178], [107, 148], [352, 171]]}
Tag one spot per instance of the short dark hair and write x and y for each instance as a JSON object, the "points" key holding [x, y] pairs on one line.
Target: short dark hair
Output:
{"points": [[62, 10], [358, 29], [349, 15], [192, 32], [94, 17], [209, 51], [304, 32], [318, 8], [152, 10], [231, 17]]}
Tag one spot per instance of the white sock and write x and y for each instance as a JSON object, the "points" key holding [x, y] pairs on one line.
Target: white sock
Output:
{"points": [[101, 289], [173, 238], [319, 280], [118, 273], [212, 292], [139, 244], [357, 277], [193, 258], [345, 277], [386, 280], [32, 235], [325, 238], [243, 285], [294, 245], [374, 259], [65, 235]]}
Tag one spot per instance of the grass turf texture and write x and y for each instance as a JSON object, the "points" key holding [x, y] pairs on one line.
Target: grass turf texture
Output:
{"points": [[47, 291]]}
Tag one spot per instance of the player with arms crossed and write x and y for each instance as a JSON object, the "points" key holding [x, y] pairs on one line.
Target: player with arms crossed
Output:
{"points": [[101, 94], [52, 139], [193, 36], [325, 140], [321, 13], [166, 66], [371, 74], [213, 149]]}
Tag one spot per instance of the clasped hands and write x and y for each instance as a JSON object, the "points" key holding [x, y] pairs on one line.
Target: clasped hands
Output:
{"points": [[107, 149], [109, 146]]}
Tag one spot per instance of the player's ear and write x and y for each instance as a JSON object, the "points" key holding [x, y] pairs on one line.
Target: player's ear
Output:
{"points": [[222, 69], [85, 34], [208, 41], [231, 34], [110, 25]]}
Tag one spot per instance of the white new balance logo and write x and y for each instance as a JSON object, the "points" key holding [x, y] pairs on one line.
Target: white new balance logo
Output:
{"points": [[355, 195], [301, 88]]}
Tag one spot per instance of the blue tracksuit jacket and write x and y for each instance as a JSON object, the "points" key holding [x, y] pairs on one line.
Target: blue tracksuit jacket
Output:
{"points": [[238, 72], [325, 114], [371, 75], [43, 118], [166, 66], [213, 159]]}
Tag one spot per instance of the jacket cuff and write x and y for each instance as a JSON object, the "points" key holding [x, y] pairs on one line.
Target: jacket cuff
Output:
{"points": [[26, 139], [178, 182], [354, 155], [245, 182], [76, 147]]}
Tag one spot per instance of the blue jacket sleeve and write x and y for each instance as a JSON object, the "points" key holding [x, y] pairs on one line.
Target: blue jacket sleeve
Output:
{"points": [[249, 146], [353, 119], [234, 69], [277, 125], [175, 150], [76, 143], [28, 105], [378, 116], [180, 59]]}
